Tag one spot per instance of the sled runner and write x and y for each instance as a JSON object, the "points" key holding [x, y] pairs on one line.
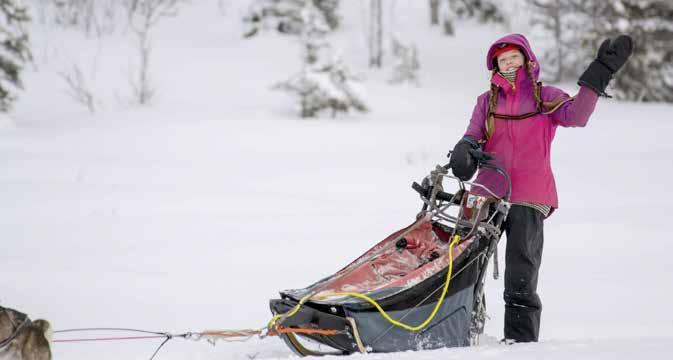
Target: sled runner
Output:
{"points": [[407, 292]]}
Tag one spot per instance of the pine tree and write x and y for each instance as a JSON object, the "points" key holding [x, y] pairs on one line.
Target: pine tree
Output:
{"points": [[329, 9], [406, 64], [483, 10], [565, 23], [549, 15], [434, 12], [329, 87], [325, 82], [375, 33], [14, 50], [93, 17], [648, 75], [285, 16]]}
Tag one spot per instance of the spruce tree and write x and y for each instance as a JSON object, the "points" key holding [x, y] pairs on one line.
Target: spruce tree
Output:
{"points": [[14, 50], [329, 10], [93, 17], [324, 83], [285, 16], [579, 26], [648, 75], [406, 64], [554, 21], [483, 10]]}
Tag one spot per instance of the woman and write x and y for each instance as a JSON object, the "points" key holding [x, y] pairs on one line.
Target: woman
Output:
{"points": [[516, 121]]}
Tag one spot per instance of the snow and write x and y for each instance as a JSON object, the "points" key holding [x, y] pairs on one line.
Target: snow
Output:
{"points": [[191, 213]]}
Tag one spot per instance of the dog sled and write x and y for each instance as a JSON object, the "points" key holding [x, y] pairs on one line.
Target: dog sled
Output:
{"points": [[422, 287]]}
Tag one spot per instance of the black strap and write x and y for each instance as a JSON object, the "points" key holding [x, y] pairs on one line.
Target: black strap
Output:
{"points": [[493, 115], [538, 108], [515, 117]]}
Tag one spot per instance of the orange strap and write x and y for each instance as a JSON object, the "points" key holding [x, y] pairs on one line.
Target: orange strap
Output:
{"points": [[284, 330], [275, 332]]}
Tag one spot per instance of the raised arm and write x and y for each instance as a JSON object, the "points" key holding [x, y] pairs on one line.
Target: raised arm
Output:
{"points": [[612, 54], [573, 112]]}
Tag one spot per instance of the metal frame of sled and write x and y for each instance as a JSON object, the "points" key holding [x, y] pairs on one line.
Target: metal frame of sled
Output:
{"points": [[358, 325]]}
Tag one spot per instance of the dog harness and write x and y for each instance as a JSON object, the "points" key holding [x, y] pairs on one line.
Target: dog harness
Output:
{"points": [[15, 328]]}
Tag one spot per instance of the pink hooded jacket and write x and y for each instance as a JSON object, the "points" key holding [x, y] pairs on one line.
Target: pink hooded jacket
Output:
{"points": [[523, 147]]}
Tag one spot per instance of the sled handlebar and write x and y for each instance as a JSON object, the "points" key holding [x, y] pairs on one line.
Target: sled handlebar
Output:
{"points": [[489, 165], [441, 195], [499, 169]]}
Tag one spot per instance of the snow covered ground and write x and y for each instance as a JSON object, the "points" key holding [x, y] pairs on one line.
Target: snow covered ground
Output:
{"points": [[192, 213]]}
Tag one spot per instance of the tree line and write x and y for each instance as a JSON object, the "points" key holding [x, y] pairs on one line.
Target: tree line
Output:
{"points": [[571, 30]]}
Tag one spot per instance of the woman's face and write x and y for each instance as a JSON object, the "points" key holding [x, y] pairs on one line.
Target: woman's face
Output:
{"points": [[510, 60]]}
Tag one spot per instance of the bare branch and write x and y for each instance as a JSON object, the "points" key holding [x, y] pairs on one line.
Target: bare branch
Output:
{"points": [[144, 15], [77, 87]]}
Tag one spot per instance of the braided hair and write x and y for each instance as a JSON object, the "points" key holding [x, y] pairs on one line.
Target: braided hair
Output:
{"points": [[495, 90]]}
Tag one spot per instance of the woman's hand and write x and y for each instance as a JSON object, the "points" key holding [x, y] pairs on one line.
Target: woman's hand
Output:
{"points": [[462, 162], [612, 55]]}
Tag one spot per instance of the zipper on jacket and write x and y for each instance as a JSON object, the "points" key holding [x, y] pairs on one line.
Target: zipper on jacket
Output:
{"points": [[511, 128]]}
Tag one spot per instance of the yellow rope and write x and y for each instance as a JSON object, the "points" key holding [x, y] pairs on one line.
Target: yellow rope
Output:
{"points": [[378, 307], [294, 310]]}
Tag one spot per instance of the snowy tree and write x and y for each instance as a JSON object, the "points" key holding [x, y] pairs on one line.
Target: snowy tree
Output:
{"points": [[285, 16], [375, 33], [324, 82], [406, 65], [482, 10], [579, 26], [14, 51], [434, 12], [93, 17], [328, 87], [329, 9], [648, 76], [555, 20]]}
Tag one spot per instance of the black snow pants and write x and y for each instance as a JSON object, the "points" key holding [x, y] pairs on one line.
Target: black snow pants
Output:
{"points": [[522, 263]]}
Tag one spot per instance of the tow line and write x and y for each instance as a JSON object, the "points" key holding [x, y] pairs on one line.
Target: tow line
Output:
{"points": [[209, 335], [273, 328]]}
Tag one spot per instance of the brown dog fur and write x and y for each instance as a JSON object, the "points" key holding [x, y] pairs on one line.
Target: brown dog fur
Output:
{"points": [[32, 342]]}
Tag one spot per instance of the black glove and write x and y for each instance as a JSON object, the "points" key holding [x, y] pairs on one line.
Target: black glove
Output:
{"points": [[462, 163], [612, 55]]}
